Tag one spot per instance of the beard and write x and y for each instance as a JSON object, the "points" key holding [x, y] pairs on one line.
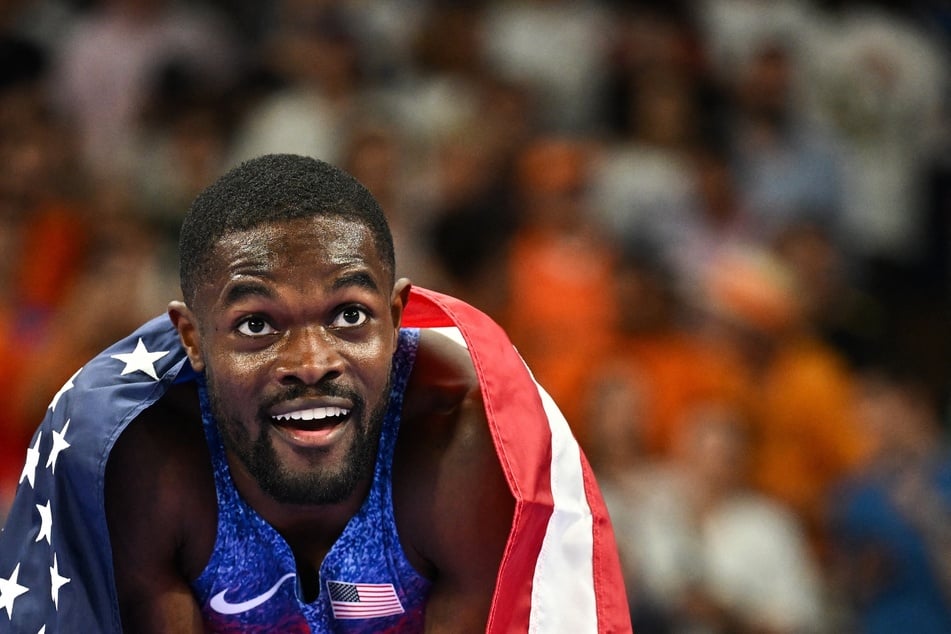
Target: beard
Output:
{"points": [[319, 484]]}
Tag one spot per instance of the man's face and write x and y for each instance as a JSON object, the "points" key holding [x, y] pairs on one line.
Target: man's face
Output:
{"points": [[297, 327]]}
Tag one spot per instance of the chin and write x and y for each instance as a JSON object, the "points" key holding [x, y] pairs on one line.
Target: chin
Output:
{"points": [[324, 476]]}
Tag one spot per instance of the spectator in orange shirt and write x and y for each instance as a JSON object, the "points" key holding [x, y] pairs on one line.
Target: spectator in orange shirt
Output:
{"points": [[805, 431], [42, 230], [560, 309], [657, 362]]}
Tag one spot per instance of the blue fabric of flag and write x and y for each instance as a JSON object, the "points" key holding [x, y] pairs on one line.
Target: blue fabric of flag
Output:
{"points": [[64, 473]]}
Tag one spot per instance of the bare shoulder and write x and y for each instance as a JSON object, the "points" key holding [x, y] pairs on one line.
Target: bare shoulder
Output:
{"points": [[452, 504], [159, 483], [443, 377]]}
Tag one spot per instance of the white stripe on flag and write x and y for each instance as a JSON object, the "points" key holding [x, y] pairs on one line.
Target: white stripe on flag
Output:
{"points": [[563, 572]]}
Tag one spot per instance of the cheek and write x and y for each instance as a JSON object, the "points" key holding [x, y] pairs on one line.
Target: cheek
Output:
{"points": [[376, 362], [235, 382]]}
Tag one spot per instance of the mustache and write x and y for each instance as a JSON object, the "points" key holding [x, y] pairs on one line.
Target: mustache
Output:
{"points": [[321, 390]]}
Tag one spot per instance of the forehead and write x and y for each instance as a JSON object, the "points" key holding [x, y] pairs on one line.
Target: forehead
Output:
{"points": [[330, 233], [319, 241]]}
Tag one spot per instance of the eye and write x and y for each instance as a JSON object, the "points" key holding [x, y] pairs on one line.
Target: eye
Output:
{"points": [[255, 326], [350, 317]]}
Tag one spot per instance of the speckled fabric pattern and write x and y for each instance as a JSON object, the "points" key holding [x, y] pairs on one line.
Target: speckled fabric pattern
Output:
{"points": [[366, 582]]}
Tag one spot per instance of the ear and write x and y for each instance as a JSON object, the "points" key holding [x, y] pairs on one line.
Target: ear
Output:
{"points": [[398, 301], [187, 327]]}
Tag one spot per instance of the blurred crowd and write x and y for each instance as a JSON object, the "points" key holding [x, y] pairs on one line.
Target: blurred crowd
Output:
{"points": [[718, 231]]}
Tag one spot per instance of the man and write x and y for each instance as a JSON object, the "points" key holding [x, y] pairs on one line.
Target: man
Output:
{"points": [[306, 444]]}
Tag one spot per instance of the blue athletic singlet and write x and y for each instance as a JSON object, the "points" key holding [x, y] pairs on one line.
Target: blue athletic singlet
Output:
{"points": [[366, 583]]}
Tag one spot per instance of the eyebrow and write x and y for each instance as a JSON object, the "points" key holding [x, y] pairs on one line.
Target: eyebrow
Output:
{"points": [[242, 290], [356, 278]]}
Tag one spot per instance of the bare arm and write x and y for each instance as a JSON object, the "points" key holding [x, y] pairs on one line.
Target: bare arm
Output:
{"points": [[152, 492], [457, 511]]}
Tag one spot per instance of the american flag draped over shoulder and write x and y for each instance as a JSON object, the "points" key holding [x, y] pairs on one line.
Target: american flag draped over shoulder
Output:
{"points": [[560, 571]]}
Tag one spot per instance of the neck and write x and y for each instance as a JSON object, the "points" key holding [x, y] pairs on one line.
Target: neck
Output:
{"points": [[309, 529]]}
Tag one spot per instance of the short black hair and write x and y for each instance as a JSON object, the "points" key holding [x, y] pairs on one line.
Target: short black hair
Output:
{"points": [[274, 187]]}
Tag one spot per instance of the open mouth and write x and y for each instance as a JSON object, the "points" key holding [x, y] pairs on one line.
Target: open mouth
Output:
{"points": [[320, 414], [312, 426]]}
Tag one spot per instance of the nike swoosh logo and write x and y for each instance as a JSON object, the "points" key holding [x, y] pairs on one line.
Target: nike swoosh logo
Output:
{"points": [[221, 605]]}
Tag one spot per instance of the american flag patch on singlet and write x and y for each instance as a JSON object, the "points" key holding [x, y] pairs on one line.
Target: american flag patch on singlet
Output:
{"points": [[363, 600]]}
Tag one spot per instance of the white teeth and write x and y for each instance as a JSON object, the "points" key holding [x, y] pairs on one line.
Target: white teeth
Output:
{"points": [[313, 413]]}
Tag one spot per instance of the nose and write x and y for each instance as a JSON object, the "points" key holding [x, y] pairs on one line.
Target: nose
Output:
{"points": [[309, 355]]}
